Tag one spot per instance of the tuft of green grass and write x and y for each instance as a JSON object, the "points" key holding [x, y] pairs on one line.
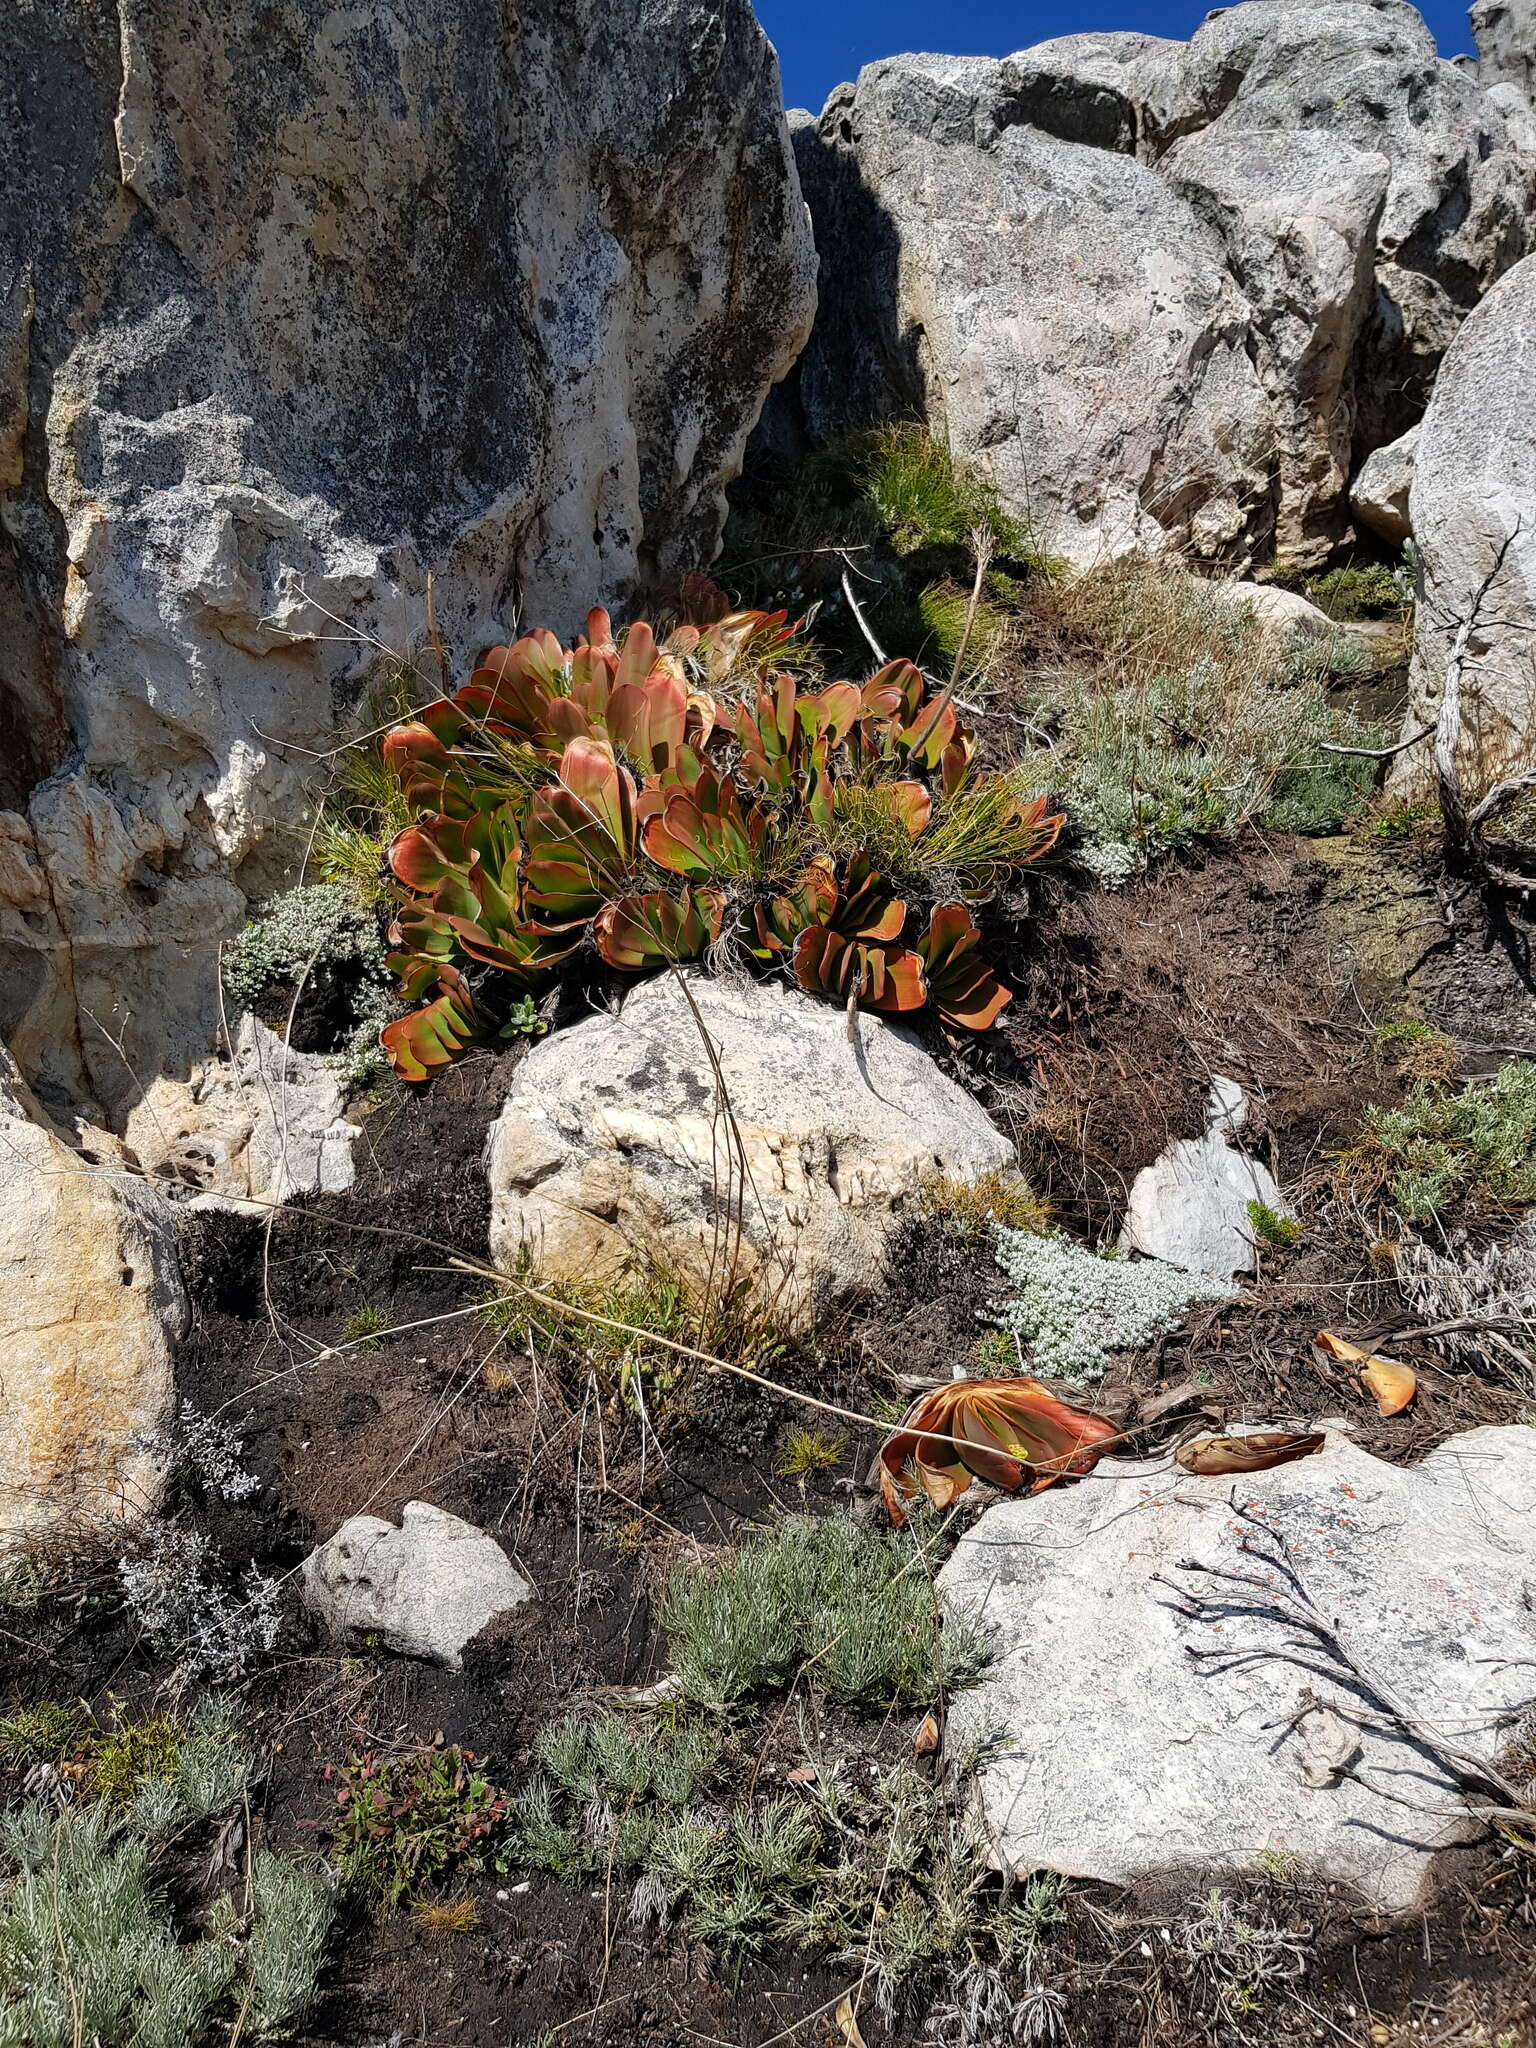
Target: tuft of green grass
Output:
{"points": [[40, 1733], [852, 1607], [647, 1296], [1444, 1146], [365, 1325], [944, 608], [809, 1454], [926, 498], [1273, 1228], [972, 1209]]}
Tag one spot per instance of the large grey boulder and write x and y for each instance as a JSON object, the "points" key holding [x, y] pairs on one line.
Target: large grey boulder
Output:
{"points": [[614, 1141], [1473, 511], [1366, 75], [296, 305], [1164, 294], [425, 1588], [1379, 495], [1057, 312], [1142, 1730], [91, 1310]]}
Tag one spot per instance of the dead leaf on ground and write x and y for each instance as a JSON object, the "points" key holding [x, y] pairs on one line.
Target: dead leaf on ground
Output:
{"points": [[847, 2022], [1390, 1383], [926, 1740], [1219, 1456]]}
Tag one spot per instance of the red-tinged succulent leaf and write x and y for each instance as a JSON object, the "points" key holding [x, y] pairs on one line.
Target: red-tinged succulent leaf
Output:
{"points": [[641, 932], [600, 632], [600, 795], [1222, 1456], [880, 977], [830, 714], [1007, 1432], [421, 1042], [866, 908], [638, 656], [769, 735], [984, 1452], [955, 762], [961, 986], [707, 830], [812, 901], [649, 721], [1044, 829]]}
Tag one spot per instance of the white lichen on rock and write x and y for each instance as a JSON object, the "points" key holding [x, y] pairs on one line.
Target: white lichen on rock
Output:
{"points": [[1074, 1306]]}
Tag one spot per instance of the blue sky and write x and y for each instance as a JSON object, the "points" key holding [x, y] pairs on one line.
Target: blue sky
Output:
{"points": [[822, 42]]}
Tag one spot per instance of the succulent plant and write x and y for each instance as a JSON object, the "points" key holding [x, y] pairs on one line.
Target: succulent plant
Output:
{"points": [[605, 796]]}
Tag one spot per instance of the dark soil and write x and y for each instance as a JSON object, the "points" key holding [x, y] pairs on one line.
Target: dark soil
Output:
{"points": [[1244, 963]]}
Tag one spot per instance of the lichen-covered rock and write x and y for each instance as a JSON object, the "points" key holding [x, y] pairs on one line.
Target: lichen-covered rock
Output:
{"points": [[297, 304], [1125, 1754], [425, 1588], [1474, 487], [91, 1307], [614, 1141]]}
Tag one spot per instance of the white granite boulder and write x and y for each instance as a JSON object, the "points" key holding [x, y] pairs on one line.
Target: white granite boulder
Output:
{"points": [[1155, 1716], [426, 1588], [1190, 1206], [613, 1140]]}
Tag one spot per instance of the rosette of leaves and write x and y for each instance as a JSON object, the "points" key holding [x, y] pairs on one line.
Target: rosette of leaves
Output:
{"points": [[606, 797]]}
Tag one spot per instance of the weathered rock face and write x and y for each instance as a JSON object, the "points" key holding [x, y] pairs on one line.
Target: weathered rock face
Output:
{"points": [[1505, 34], [425, 1588], [1126, 1754], [613, 1141], [90, 1307], [294, 307], [1055, 311], [1297, 214], [1164, 293], [1365, 75], [261, 1127], [1379, 495], [1474, 486], [1190, 1206]]}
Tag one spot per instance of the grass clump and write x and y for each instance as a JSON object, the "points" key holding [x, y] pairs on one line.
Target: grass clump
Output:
{"points": [[365, 1325], [1073, 1307], [648, 1296], [1474, 1145], [971, 1209], [925, 498], [1180, 719], [852, 1607], [1239, 1956], [809, 1454]]}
